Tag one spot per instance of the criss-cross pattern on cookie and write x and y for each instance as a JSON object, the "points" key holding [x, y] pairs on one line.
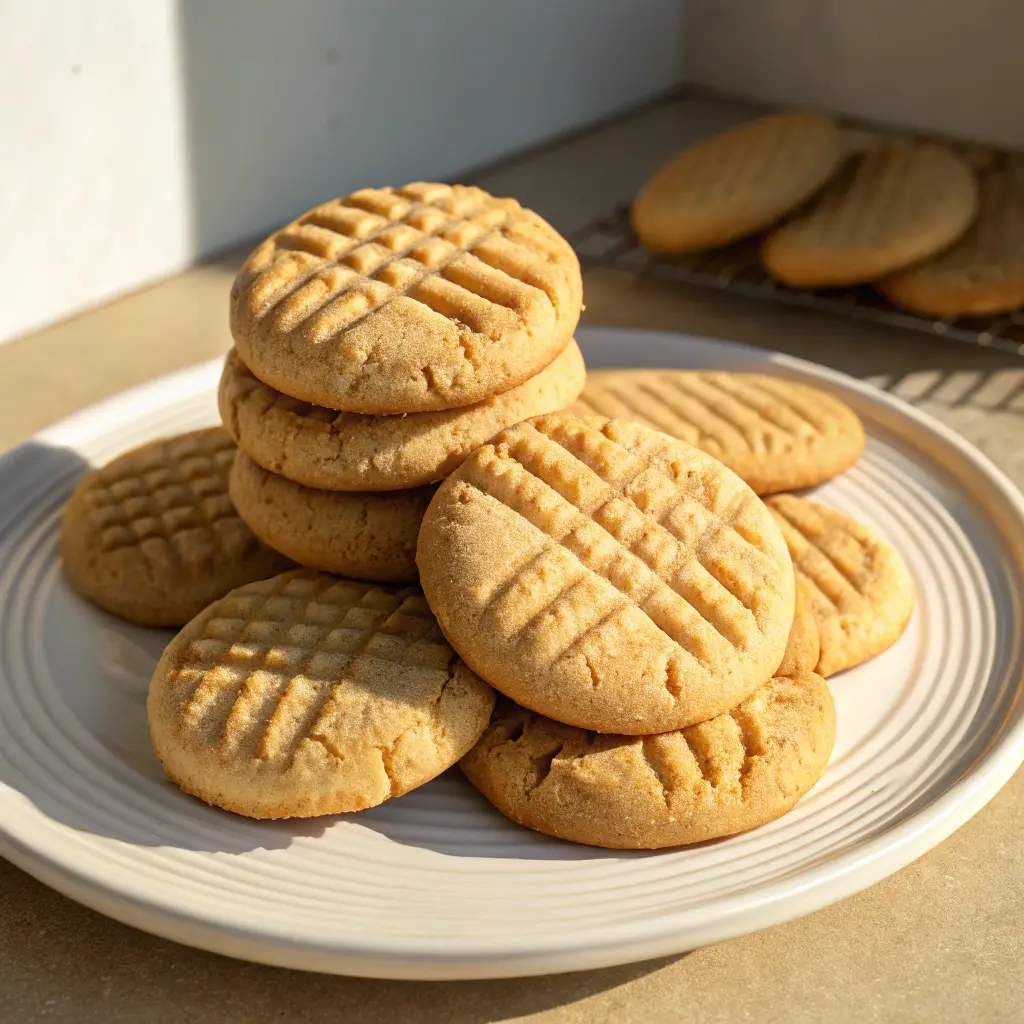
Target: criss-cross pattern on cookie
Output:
{"points": [[717, 412], [681, 549], [464, 254], [836, 563], [273, 655], [168, 500], [861, 592]]}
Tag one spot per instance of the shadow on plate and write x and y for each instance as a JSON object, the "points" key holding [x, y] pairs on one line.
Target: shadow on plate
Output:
{"points": [[449, 817]]}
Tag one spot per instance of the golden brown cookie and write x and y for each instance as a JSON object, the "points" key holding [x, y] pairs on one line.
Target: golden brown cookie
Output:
{"points": [[892, 206], [803, 649], [404, 300], [737, 183], [777, 434], [153, 536], [370, 535], [739, 770], [981, 274], [305, 694], [607, 575], [353, 452], [861, 591]]}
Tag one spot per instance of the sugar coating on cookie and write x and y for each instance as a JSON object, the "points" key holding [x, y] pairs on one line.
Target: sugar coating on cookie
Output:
{"points": [[402, 300], [739, 770], [983, 273], [776, 434], [861, 591], [306, 694], [607, 575], [350, 451], [894, 205], [369, 535], [738, 182], [153, 536]]}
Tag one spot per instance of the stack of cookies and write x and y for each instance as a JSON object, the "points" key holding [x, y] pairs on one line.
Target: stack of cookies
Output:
{"points": [[625, 618], [658, 633], [380, 338]]}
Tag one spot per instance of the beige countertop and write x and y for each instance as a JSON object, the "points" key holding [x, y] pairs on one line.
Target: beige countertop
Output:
{"points": [[943, 940]]}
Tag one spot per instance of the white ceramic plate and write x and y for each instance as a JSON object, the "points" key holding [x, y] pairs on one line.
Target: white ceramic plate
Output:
{"points": [[437, 884]]}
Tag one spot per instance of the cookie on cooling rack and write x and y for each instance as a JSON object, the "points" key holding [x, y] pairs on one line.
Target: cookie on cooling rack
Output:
{"points": [[895, 204], [737, 183], [981, 274]]}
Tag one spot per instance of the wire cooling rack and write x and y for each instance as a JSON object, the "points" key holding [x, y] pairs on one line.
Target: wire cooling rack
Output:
{"points": [[608, 241]]}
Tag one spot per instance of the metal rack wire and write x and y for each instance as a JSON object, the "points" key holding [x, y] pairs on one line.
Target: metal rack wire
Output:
{"points": [[608, 241]]}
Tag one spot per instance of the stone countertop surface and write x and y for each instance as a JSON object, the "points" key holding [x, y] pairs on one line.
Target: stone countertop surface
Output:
{"points": [[942, 940]]}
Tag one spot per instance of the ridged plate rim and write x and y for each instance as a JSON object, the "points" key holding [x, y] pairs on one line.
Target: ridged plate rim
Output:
{"points": [[519, 954]]}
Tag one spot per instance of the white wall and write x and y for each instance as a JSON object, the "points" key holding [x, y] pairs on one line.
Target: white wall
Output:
{"points": [[94, 175], [140, 134], [947, 67]]}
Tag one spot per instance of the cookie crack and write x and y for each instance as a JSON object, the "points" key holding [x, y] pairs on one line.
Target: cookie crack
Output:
{"points": [[543, 764], [655, 762], [429, 724], [387, 754], [751, 743], [328, 744]]}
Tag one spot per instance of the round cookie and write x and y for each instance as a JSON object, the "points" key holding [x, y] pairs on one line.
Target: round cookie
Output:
{"points": [[366, 534], [739, 770], [981, 274], [737, 183], [607, 575], [305, 694], [353, 452], [861, 592], [777, 434], [404, 300], [153, 536], [894, 205]]}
